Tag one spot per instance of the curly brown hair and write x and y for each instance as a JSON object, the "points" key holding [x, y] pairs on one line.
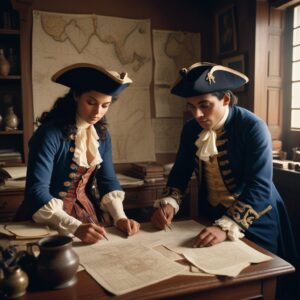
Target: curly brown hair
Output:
{"points": [[63, 114]]}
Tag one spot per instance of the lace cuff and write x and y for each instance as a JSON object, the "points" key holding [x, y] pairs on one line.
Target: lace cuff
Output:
{"points": [[112, 203], [234, 231], [52, 214], [165, 201]]}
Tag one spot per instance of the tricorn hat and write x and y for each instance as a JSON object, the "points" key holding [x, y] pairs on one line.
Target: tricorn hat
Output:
{"points": [[204, 77], [87, 77]]}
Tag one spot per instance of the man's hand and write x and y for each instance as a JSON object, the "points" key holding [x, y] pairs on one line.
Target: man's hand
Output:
{"points": [[128, 226], [90, 233], [162, 216], [210, 236]]}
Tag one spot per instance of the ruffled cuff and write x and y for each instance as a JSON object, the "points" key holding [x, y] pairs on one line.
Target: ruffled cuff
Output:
{"points": [[234, 231], [165, 201], [112, 203], [53, 215]]}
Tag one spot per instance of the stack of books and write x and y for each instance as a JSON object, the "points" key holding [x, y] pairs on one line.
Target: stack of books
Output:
{"points": [[10, 156], [148, 171]]}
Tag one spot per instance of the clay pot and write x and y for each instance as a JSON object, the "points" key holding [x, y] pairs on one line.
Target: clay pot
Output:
{"points": [[57, 263]]}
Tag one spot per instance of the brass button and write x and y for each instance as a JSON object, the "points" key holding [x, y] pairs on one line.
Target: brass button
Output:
{"points": [[72, 149], [62, 194], [67, 183], [72, 175], [73, 166]]}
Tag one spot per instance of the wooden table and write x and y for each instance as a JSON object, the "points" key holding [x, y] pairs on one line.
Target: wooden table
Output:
{"points": [[258, 281]]}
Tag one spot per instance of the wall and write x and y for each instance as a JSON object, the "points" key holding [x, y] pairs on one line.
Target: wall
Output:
{"points": [[245, 15], [191, 16]]}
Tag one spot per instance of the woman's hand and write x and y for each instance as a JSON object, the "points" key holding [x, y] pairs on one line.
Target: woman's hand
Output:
{"points": [[128, 226], [162, 216], [90, 233], [210, 236]]}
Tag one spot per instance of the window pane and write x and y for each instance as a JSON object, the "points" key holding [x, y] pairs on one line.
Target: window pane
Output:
{"points": [[296, 53], [296, 95], [295, 122], [296, 37], [296, 71], [296, 16]]}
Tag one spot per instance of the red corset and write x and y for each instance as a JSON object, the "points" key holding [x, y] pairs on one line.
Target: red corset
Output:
{"points": [[76, 202]]}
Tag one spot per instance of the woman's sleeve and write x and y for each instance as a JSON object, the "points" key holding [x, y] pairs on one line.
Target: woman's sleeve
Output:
{"points": [[53, 215], [106, 177], [110, 191], [43, 147]]}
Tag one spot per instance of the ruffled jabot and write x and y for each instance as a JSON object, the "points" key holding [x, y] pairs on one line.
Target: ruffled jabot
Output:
{"points": [[206, 142], [86, 140]]}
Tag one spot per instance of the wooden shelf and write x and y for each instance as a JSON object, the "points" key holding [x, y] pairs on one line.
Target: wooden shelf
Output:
{"points": [[9, 31], [10, 77], [11, 132]]}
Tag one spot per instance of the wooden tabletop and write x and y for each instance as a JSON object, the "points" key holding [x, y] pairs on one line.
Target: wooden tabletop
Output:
{"points": [[257, 280], [254, 281]]}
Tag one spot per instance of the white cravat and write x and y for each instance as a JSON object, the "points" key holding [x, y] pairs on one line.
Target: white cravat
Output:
{"points": [[206, 142], [86, 139]]}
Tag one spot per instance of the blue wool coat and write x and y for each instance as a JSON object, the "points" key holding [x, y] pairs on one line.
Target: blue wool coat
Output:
{"points": [[245, 162], [50, 169]]}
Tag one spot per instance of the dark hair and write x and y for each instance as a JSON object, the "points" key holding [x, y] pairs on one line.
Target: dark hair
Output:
{"points": [[63, 114], [220, 95]]}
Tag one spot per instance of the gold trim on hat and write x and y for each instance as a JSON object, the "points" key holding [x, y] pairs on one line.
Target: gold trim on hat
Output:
{"points": [[215, 68], [121, 78]]}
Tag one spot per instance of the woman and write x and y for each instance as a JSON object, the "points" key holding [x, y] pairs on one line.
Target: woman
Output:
{"points": [[70, 151]]}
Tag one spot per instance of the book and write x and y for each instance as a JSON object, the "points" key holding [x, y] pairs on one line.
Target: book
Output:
{"points": [[148, 167], [13, 173], [129, 181]]}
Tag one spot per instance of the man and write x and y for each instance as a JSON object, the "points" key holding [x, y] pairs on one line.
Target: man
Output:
{"points": [[230, 150]]}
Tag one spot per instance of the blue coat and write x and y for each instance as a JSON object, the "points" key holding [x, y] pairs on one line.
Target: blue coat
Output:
{"points": [[50, 168], [245, 162]]}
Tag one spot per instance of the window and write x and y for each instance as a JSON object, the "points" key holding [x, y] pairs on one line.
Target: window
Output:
{"points": [[295, 87]]}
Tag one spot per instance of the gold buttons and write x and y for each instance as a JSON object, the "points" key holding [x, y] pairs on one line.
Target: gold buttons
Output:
{"points": [[62, 194], [67, 183], [72, 175], [226, 172], [72, 149], [73, 166]]}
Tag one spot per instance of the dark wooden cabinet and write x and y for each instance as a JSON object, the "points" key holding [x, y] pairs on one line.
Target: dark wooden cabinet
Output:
{"points": [[11, 109], [15, 87], [287, 183]]}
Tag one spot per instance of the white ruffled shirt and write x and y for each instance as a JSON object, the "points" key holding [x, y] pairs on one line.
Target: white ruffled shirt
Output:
{"points": [[206, 142], [52, 213]]}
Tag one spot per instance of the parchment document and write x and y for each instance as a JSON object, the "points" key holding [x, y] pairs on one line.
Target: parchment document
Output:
{"points": [[122, 264], [124, 268]]}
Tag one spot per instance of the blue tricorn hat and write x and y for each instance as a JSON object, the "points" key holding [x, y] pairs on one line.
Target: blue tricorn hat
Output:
{"points": [[88, 77], [204, 77]]}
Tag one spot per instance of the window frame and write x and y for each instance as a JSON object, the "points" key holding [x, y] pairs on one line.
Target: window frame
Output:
{"points": [[290, 135]]}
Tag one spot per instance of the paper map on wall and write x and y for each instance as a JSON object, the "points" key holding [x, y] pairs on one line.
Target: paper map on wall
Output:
{"points": [[173, 50], [118, 44], [167, 134]]}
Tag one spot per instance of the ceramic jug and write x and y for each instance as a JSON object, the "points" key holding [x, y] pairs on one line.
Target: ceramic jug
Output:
{"points": [[13, 283], [57, 263]]}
